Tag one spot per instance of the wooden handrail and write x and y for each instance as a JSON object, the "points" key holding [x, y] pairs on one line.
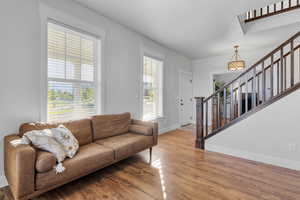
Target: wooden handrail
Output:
{"points": [[258, 99], [274, 63], [260, 72], [254, 65], [251, 112], [275, 12]]}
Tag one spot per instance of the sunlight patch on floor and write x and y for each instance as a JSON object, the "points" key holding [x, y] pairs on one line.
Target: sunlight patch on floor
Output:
{"points": [[157, 164]]}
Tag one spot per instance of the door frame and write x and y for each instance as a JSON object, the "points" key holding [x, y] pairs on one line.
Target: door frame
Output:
{"points": [[181, 72], [212, 86]]}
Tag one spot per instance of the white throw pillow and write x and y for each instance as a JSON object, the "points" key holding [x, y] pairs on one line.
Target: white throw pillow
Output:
{"points": [[65, 137], [43, 139]]}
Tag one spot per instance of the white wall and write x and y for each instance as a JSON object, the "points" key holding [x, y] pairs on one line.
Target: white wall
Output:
{"points": [[20, 71], [225, 77]]}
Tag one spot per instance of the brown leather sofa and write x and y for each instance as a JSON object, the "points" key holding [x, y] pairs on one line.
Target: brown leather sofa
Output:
{"points": [[103, 139]]}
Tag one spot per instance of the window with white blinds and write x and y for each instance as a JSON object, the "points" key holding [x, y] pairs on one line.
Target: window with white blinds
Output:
{"points": [[72, 76], [152, 88]]}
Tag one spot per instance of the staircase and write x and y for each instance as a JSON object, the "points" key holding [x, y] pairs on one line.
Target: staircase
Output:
{"points": [[273, 9], [273, 77]]}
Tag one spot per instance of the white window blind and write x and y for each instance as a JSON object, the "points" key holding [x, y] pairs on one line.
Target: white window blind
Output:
{"points": [[152, 88], [71, 74]]}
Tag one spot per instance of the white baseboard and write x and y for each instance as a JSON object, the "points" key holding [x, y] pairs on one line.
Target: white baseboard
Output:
{"points": [[291, 164], [3, 181], [167, 129]]}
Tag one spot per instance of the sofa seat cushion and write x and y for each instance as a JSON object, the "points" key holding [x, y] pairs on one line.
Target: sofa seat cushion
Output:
{"points": [[127, 144], [110, 125], [81, 129], [88, 159], [45, 161]]}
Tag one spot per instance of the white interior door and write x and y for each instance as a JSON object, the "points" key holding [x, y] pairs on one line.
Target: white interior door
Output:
{"points": [[186, 98]]}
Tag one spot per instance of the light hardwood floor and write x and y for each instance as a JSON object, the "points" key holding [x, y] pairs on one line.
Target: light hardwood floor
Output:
{"points": [[179, 171]]}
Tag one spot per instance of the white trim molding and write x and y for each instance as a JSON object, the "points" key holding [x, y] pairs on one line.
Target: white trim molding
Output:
{"points": [[47, 12], [169, 128], [290, 164], [156, 54]]}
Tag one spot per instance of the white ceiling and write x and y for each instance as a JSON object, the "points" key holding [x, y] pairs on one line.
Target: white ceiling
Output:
{"points": [[195, 28]]}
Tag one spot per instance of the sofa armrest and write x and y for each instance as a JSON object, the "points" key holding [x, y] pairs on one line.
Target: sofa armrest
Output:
{"points": [[140, 129], [153, 125], [19, 164]]}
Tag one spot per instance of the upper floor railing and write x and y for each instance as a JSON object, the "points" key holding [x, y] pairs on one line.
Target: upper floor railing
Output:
{"points": [[271, 78], [270, 10]]}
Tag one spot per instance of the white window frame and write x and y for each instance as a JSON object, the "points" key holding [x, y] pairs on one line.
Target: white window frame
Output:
{"points": [[50, 14], [157, 56], [96, 43]]}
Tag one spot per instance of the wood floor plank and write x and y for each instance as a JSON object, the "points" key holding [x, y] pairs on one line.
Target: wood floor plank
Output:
{"points": [[181, 172]]}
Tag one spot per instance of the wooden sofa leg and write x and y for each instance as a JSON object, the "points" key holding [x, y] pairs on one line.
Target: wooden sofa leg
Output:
{"points": [[150, 155]]}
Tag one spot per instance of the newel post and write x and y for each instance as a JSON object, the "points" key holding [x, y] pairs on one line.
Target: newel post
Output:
{"points": [[199, 123]]}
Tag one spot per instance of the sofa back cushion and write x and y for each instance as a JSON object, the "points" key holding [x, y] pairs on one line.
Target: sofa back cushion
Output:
{"points": [[81, 129], [110, 125]]}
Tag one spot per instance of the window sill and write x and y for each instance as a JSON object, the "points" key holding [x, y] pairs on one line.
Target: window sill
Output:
{"points": [[155, 119]]}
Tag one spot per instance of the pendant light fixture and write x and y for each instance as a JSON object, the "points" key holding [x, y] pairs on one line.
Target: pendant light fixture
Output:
{"points": [[236, 63]]}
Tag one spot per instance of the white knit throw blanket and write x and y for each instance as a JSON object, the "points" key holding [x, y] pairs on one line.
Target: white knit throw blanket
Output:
{"points": [[44, 140]]}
